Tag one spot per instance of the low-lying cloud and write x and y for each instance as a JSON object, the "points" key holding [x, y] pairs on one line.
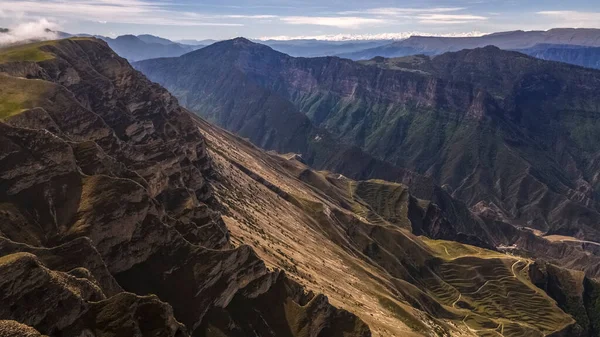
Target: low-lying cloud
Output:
{"points": [[340, 22], [41, 29], [367, 37], [575, 19]]}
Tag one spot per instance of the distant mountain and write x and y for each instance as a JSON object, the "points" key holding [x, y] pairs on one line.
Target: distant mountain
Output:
{"points": [[314, 48], [267, 119], [506, 133], [155, 39], [579, 55], [136, 48], [306, 48], [141, 47], [197, 42], [431, 45]]}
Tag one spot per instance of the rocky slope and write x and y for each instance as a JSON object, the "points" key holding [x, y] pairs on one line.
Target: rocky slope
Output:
{"points": [[108, 226], [509, 135], [354, 241]]}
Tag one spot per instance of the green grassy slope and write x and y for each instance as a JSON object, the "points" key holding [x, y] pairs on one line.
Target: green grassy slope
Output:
{"points": [[17, 94]]}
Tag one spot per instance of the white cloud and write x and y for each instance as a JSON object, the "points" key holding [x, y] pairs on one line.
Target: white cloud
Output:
{"points": [[573, 18], [433, 15], [402, 12], [449, 18], [380, 15], [367, 37], [333, 21], [24, 32], [250, 16], [114, 11]]}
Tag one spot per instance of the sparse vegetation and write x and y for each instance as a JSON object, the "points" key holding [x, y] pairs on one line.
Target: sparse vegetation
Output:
{"points": [[26, 53], [403, 315], [18, 94], [450, 250]]}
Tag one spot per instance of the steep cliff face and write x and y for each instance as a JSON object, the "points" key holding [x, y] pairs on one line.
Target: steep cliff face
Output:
{"points": [[492, 127], [108, 223]]}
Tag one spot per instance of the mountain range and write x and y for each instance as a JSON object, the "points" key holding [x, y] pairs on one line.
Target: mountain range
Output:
{"points": [[579, 46], [510, 136], [144, 47], [315, 48], [141, 47], [565, 45], [574, 46], [588, 57], [124, 214], [434, 45]]}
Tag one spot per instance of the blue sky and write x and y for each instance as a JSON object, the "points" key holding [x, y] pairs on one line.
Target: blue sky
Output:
{"points": [[186, 19]]}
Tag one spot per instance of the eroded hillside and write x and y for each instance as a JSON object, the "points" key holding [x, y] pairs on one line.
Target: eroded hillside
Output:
{"points": [[353, 241], [108, 227]]}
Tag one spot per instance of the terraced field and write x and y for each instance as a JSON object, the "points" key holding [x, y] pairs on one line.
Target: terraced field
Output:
{"points": [[496, 296], [385, 200]]}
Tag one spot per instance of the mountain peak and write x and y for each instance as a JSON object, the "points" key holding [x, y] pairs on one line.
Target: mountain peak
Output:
{"points": [[511, 32], [154, 39], [481, 54], [242, 40], [233, 47], [127, 37], [238, 42]]}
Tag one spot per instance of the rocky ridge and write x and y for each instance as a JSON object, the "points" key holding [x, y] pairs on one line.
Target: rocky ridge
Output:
{"points": [[108, 223]]}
